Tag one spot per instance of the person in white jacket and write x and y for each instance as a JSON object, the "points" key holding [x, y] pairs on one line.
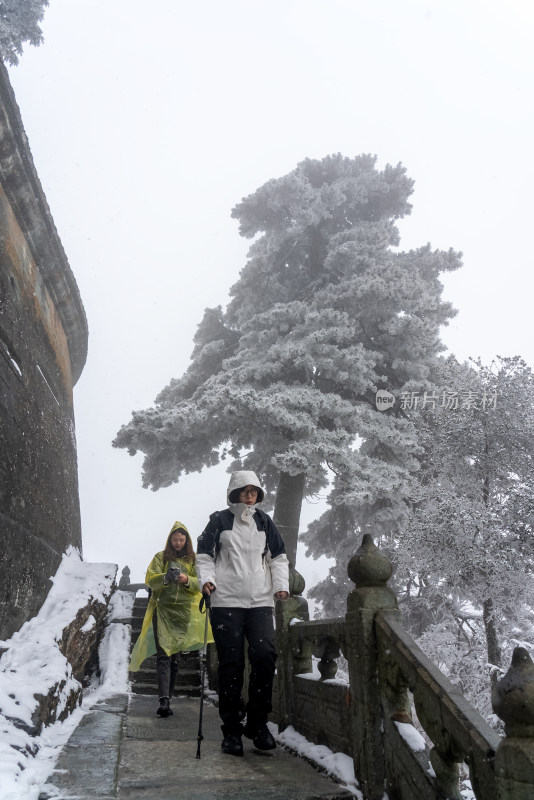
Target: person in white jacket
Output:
{"points": [[242, 565]]}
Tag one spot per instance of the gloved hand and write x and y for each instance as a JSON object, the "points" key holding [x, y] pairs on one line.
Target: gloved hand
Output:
{"points": [[171, 576]]}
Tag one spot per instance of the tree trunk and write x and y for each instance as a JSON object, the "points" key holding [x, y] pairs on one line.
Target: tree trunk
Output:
{"points": [[492, 639], [488, 609], [287, 506]]}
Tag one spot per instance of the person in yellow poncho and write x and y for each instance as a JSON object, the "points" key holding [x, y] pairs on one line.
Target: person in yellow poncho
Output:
{"points": [[173, 622]]}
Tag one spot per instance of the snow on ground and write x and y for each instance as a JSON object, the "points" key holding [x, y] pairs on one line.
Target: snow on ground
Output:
{"points": [[339, 765], [32, 662]]}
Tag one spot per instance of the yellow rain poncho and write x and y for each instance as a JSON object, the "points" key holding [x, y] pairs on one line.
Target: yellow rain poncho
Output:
{"points": [[181, 626]]}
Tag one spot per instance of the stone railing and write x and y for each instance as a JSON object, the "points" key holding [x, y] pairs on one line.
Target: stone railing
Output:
{"points": [[126, 586], [371, 720]]}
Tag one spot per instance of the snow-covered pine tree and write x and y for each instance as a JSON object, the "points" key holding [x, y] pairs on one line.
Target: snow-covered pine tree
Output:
{"points": [[325, 312], [333, 533], [19, 23]]}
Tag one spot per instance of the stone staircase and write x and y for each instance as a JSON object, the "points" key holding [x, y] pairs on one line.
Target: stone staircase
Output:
{"points": [[122, 750], [144, 681]]}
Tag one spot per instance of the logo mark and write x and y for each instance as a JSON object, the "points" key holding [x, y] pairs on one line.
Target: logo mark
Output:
{"points": [[384, 400]]}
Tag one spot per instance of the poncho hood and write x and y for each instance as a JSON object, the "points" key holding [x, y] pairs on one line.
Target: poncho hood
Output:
{"points": [[177, 525], [241, 478]]}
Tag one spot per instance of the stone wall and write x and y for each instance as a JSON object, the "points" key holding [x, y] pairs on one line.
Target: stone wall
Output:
{"points": [[43, 346]]}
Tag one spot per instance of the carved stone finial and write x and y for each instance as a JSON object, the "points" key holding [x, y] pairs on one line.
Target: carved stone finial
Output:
{"points": [[125, 579], [368, 566], [297, 584], [513, 696]]}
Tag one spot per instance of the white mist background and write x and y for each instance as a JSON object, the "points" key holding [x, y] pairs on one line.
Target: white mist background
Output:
{"points": [[149, 122]]}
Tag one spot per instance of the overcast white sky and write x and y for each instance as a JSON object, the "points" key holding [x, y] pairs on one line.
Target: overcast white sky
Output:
{"points": [[148, 122]]}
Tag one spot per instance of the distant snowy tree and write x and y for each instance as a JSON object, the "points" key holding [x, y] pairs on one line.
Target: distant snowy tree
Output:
{"points": [[469, 547], [470, 541], [326, 312], [19, 23], [463, 545]]}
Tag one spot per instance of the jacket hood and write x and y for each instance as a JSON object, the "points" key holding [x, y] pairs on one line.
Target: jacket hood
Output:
{"points": [[241, 478]]}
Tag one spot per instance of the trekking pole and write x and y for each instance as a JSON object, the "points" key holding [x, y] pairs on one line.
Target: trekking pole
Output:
{"points": [[207, 602]]}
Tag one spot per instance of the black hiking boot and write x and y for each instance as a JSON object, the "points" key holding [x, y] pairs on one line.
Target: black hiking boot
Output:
{"points": [[164, 709], [232, 744], [263, 739]]}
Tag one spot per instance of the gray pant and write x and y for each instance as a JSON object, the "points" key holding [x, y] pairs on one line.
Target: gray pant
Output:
{"points": [[166, 666]]}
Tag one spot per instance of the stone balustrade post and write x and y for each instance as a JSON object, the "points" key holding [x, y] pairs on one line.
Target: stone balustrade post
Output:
{"points": [[126, 586], [369, 570], [289, 663], [513, 700]]}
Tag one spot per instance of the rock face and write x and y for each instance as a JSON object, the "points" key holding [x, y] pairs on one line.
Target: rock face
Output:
{"points": [[79, 644], [43, 346], [80, 639]]}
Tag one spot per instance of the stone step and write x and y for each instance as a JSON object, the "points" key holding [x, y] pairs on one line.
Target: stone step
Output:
{"points": [[189, 662], [184, 676], [128, 751], [151, 688], [144, 681], [136, 627]]}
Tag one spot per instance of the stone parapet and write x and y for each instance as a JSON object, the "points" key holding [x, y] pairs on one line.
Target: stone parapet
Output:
{"points": [[370, 718]]}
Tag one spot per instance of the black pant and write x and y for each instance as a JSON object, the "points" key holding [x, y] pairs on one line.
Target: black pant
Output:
{"points": [[230, 628], [166, 666]]}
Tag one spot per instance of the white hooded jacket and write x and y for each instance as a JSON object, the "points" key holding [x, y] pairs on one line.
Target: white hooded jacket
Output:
{"points": [[242, 553]]}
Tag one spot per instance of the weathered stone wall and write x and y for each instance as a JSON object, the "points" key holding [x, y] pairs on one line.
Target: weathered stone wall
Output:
{"points": [[43, 345]]}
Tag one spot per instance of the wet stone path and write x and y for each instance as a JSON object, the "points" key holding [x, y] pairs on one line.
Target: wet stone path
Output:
{"points": [[122, 751]]}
